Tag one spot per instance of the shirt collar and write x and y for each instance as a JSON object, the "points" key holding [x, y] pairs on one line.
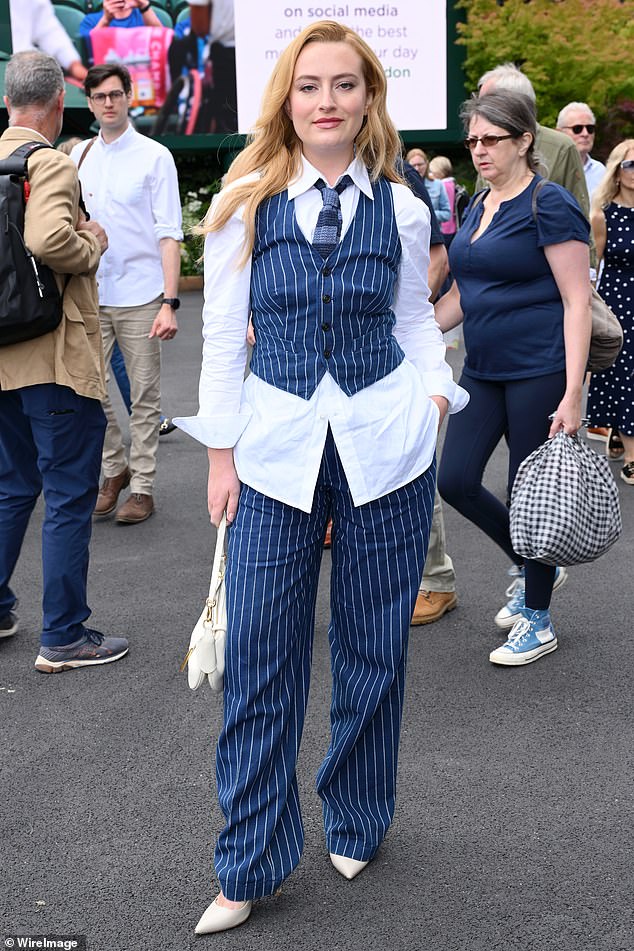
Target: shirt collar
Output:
{"points": [[121, 139], [308, 175]]}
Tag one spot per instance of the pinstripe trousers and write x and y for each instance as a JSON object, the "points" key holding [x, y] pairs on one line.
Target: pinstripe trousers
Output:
{"points": [[274, 553]]}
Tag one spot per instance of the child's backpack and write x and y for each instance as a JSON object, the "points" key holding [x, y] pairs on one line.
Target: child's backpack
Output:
{"points": [[30, 302]]}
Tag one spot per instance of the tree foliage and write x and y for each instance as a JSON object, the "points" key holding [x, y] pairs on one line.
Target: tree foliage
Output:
{"points": [[572, 50]]}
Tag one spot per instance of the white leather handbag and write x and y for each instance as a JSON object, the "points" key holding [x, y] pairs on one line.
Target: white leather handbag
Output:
{"points": [[205, 659]]}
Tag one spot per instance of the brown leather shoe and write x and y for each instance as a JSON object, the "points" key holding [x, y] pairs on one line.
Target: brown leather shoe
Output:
{"points": [[431, 605], [109, 493], [136, 509]]}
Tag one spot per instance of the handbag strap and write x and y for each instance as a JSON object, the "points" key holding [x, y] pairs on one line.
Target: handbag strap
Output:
{"points": [[218, 555]]}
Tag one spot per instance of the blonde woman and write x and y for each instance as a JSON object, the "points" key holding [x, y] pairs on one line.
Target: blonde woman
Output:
{"points": [[418, 160], [315, 233], [611, 398]]}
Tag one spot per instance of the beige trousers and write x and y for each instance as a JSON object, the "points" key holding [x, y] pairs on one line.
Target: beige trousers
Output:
{"points": [[130, 327], [438, 573]]}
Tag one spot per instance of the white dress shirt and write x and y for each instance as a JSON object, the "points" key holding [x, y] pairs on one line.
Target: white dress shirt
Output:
{"points": [[130, 187], [385, 434], [594, 172], [35, 26]]}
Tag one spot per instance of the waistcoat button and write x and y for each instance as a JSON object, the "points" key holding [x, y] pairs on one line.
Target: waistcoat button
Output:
{"points": [[327, 353], [325, 326], [326, 298]]}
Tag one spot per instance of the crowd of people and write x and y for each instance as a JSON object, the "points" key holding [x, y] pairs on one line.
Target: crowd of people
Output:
{"points": [[322, 249], [203, 39]]}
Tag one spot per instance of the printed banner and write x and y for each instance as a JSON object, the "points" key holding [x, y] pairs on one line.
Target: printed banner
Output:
{"points": [[409, 37], [143, 50]]}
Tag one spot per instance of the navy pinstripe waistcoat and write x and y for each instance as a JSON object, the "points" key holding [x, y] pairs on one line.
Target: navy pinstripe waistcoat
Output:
{"points": [[314, 316]]}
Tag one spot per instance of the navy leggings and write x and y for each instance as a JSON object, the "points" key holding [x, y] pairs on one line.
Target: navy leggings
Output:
{"points": [[520, 409]]}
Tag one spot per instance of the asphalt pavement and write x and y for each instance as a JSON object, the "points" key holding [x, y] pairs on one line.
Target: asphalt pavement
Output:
{"points": [[514, 818]]}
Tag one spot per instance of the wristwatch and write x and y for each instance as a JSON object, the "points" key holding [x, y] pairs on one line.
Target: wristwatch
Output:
{"points": [[173, 302]]}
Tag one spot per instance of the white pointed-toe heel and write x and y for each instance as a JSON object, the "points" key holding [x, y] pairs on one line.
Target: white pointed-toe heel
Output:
{"points": [[349, 868], [218, 918]]}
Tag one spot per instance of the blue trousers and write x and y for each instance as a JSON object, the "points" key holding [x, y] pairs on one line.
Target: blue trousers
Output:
{"points": [[274, 553], [519, 409], [50, 440]]}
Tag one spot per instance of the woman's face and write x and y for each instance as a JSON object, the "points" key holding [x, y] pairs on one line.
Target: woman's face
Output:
{"points": [[502, 161], [420, 164], [327, 101]]}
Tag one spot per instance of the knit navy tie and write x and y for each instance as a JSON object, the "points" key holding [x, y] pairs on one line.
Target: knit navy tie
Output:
{"points": [[328, 229]]}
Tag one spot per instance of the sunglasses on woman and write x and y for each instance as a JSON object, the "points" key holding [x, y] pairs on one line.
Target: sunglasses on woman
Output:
{"points": [[488, 141], [578, 129], [628, 164]]}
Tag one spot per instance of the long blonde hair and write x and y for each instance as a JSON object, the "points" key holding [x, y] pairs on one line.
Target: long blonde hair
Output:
{"points": [[274, 150], [609, 184]]}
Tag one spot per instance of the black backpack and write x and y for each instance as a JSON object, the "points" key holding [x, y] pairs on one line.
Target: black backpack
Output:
{"points": [[30, 302]]}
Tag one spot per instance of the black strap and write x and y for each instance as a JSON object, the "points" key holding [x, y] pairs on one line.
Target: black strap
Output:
{"points": [[538, 187], [16, 163]]}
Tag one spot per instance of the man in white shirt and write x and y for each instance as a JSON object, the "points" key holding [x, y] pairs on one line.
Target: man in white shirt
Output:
{"points": [[130, 184], [216, 18], [577, 121], [35, 26]]}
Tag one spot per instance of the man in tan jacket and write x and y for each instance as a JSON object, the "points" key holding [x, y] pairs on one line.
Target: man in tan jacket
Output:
{"points": [[51, 421]]}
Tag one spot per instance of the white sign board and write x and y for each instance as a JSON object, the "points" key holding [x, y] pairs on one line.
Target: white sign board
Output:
{"points": [[409, 37]]}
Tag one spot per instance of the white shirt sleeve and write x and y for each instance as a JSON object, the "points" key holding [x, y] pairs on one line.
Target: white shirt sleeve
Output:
{"points": [[34, 25], [416, 329], [166, 205], [220, 421]]}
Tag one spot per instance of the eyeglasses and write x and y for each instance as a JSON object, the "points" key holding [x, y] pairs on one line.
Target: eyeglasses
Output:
{"points": [[578, 129], [114, 96], [628, 164], [488, 141]]}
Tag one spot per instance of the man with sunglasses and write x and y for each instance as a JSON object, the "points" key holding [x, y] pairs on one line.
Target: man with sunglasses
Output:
{"points": [[577, 121], [130, 184]]}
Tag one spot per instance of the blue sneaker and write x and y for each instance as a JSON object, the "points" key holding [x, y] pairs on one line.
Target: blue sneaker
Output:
{"points": [[91, 649], [530, 637], [512, 610], [8, 624]]}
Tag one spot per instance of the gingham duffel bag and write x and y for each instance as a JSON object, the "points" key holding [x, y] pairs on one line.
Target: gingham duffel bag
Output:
{"points": [[564, 504]]}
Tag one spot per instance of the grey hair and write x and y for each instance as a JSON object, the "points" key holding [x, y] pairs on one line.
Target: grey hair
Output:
{"points": [[32, 79], [512, 111], [573, 107], [509, 76]]}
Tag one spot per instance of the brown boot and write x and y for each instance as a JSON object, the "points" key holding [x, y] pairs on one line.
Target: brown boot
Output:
{"points": [[431, 605], [109, 493], [137, 508]]}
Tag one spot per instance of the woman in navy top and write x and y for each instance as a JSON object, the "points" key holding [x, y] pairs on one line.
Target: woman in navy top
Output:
{"points": [[317, 236], [520, 263]]}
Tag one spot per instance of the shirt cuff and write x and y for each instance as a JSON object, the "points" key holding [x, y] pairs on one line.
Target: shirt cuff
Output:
{"points": [[456, 395], [219, 432]]}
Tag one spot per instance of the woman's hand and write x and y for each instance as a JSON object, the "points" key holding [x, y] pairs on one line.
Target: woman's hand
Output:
{"points": [[567, 418], [223, 487], [443, 405]]}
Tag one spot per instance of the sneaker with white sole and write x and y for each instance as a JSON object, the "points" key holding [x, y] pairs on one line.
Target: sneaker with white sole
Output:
{"points": [[8, 624], [90, 650], [512, 610], [529, 638]]}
